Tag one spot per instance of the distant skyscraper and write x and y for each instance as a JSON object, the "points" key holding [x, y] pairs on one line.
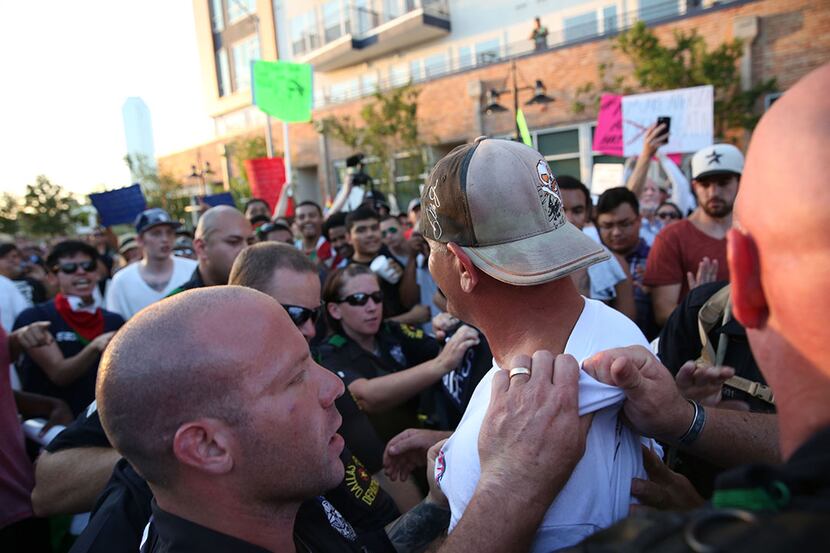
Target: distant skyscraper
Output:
{"points": [[138, 130]]}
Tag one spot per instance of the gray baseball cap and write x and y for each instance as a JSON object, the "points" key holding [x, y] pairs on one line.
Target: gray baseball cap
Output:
{"points": [[500, 202]]}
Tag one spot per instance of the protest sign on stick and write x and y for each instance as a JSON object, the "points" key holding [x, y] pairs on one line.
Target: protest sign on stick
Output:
{"points": [[690, 110]]}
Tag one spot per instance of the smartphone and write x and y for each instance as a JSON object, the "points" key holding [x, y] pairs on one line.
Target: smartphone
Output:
{"points": [[665, 120]]}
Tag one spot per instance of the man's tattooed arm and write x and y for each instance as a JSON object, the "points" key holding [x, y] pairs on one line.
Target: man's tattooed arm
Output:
{"points": [[413, 531]]}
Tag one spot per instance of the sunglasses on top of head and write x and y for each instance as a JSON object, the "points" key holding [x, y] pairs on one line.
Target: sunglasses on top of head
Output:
{"points": [[299, 315], [361, 298], [72, 267]]}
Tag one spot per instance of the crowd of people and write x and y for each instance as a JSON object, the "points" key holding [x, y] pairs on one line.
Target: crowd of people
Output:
{"points": [[512, 364]]}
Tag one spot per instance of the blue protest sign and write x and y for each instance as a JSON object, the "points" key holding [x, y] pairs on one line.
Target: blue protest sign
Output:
{"points": [[119, 206]]}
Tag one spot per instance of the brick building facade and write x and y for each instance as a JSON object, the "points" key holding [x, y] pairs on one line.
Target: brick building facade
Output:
{"points": [[791, 37]]}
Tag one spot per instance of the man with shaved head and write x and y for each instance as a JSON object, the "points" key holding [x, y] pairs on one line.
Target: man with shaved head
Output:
{"points": [[222, 232], [73, 471], [233, 425], [231, 437], [776, 269]]}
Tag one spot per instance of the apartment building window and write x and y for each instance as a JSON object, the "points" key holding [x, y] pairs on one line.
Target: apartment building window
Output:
{"points": [[581, 26], [657, 9], [367, 18], [243, 53], [345, 90], [223, 74], [391, 9], [561, 149], [415, 70], [331, 21], [569, 150], [398, 75], [465, 57], [369, 83], [240, 9], [217, 16], [487, 51], [304, 35], [609, 19], [436, 65]]}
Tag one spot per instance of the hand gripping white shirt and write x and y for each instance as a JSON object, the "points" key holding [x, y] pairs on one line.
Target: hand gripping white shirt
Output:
{"points": [[598, 492]]}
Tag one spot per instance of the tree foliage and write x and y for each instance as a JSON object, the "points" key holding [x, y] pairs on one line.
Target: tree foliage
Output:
{"points": [[388, 125], [48, 210], [8, 214], [161, 189], [686, 63]]}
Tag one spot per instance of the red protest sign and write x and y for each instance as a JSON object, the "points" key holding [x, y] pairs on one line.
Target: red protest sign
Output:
{"points": [[267, 177]]}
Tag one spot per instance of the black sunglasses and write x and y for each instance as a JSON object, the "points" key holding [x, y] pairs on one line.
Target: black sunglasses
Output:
{"points": [[362, 299], [299, 315], [668, 215], [71, 267]]}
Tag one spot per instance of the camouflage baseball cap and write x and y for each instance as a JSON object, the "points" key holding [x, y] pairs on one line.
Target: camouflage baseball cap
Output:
{"points": [[500, 202]]}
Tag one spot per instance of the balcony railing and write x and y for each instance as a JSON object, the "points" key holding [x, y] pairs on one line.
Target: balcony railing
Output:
{"points": [[319, 27], [461, 60]]}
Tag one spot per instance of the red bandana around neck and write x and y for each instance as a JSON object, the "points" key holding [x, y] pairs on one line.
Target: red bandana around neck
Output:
{"points": [[86, 325]]}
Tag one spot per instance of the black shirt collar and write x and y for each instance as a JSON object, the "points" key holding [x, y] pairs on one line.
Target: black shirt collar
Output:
{"points": [[178, 535], [806, 476]]}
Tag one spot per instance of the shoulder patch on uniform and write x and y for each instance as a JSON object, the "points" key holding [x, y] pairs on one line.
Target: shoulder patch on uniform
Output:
{"points": [[337, 341], [412, 332]]}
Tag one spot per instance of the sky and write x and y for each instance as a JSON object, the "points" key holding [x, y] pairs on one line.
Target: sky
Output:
{"points": [[68, 68]]}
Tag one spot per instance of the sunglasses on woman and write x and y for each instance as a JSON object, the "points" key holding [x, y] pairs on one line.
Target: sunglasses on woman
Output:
{"points": [[299, 315], [361, 298], [668, 215], [71, 267]]}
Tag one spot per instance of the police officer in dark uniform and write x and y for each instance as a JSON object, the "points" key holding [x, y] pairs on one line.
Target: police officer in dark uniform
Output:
{"points": [[385, 365]]}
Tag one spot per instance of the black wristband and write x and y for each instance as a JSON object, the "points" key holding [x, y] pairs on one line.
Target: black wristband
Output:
{"points": [[698, 421]]}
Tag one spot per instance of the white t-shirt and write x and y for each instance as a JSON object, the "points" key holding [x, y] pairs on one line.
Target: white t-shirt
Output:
{"points": [[598, 492], [127, 293], [605, 276], [12, 303]]}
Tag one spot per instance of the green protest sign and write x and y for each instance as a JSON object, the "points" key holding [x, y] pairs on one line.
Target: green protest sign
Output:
{"points": [[523, 130], [283, 90]]}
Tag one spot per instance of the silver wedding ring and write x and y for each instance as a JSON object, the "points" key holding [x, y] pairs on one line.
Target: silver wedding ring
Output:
{"points": [[519, 370]]}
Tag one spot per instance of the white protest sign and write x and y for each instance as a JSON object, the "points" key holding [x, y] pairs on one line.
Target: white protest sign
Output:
{"points": [[691, 112], [605, 176]]}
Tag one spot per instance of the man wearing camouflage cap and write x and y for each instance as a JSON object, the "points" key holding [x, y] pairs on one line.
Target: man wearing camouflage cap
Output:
{"points": [[501, 249]]}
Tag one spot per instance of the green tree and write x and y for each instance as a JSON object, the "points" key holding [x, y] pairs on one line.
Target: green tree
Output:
{"points": [[688, 62], [388, 126], [49, 210], [8, 214]]}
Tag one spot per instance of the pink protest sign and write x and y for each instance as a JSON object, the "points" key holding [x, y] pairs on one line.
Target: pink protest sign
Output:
{"points": [[608, 138]]}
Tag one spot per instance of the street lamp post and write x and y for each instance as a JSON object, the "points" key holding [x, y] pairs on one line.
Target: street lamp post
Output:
{"points": [[492, 98], [200, 176]]}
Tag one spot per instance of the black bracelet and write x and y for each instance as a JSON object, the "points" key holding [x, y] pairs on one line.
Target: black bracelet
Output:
{"points": [[696, 427]]}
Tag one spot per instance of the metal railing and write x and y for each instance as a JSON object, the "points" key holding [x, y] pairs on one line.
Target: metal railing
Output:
{"points": [[358, 19], [456, 62]]}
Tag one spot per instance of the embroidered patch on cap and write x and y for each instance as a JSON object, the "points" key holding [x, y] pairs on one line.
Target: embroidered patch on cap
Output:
{"points": [[548, 191]]}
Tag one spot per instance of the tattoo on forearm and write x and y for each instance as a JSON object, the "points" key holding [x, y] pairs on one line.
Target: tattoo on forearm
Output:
{"points": [[414, 531]]}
